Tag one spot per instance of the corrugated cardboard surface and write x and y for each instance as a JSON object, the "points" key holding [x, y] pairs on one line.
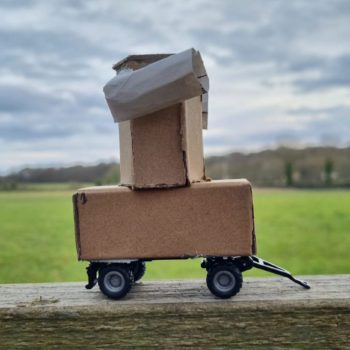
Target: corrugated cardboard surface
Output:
{"points": [[192, 138], [207, 219], [126, 153], [164, 149], [155, 158], [156, 140]]}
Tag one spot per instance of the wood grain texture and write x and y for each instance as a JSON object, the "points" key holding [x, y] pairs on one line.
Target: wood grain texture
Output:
{"points": [[269, 313]]}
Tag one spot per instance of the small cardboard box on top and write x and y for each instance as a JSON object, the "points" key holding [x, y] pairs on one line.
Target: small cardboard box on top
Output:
{"points": [[163, 149], [205, 219], [161, 112]]}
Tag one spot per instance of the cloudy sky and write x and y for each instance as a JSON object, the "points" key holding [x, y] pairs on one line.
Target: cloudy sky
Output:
{"points": [[279, 72]]}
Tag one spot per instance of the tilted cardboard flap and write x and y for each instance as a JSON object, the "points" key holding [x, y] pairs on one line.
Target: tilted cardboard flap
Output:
{"points": [[158, 85]]}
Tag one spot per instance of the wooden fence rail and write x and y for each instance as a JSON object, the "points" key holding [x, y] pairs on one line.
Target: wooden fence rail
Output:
{"points": [[269, 313]]}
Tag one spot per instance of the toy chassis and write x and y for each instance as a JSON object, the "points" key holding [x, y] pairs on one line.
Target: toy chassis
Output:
{"points": [[224, 275]]}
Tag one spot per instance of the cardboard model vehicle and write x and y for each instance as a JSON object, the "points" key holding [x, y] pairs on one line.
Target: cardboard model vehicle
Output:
{"points": [[165, 207]]}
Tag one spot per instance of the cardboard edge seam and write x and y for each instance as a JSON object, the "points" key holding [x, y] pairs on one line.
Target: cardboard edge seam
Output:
{"points": [[182, 132], [254, 247], [77, 224], [133, 178]]}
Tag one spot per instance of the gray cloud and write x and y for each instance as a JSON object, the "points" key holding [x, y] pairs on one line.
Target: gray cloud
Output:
{"points": [[335, 73], [278, 69], [15, 99]]}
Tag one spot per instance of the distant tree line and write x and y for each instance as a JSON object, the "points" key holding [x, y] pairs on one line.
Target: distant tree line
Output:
{"points": [[283, 167], [327, 175]]}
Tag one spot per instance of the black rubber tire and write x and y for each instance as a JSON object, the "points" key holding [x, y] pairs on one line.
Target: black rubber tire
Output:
{"points": [[218, 274], [115, 281], [139, 270]]}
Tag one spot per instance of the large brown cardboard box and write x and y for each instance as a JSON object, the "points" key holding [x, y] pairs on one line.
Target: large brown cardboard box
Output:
{"points": [[164, 149], [206, 219]]}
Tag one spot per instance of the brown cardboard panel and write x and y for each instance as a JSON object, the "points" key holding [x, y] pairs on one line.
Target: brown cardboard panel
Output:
{"points": [[206, 219], [205, 100], [126, 155], [151, 153], [158, 159], [164, 149], [192, 138]]}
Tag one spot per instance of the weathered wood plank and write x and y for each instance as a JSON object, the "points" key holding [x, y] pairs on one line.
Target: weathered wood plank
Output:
{"points": [[269, 313]]}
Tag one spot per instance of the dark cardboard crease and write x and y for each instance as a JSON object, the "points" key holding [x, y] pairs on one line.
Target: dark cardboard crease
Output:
{"points": [[182, 141], [187, 180], [205, 178], [170, 257], [76, 224], [132, 150], [156, 186], [254, 246]]}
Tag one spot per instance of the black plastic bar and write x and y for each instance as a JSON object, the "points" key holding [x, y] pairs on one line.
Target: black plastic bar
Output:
{"points": [[267, 266], [91, 271]]}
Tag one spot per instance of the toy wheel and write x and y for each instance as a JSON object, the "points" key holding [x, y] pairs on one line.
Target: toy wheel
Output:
{"points": [[115, 281], [139, 270], [224, 281]]}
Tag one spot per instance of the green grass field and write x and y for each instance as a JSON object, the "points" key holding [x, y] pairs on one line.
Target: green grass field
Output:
{"points": [[306, 232]]}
